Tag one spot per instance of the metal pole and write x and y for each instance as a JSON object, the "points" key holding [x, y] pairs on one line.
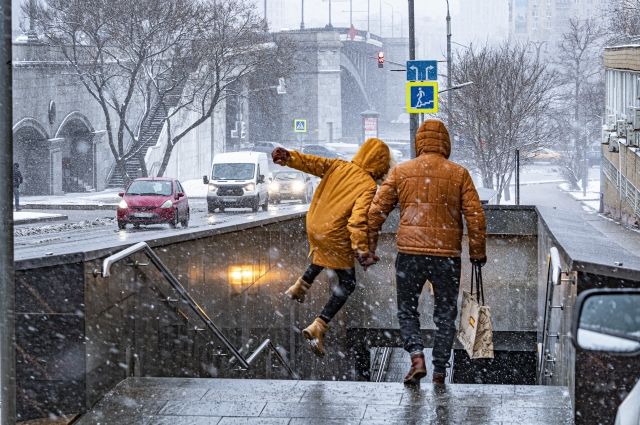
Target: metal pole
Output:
{"points": [[449, 76], [302, 17], [380, 3], [517, 177], [7, 285], [413, 121], [368, 15], [265, 15], [330, 26], [393, 25], [350, 13]]}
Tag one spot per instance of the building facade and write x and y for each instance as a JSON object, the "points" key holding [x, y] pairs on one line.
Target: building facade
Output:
{"points": [[620, 179]]}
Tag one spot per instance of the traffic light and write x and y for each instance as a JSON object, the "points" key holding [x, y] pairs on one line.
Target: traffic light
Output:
{"points": [[380, 59]]}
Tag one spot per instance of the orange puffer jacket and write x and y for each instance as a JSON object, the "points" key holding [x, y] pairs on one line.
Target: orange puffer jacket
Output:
{"points": [[337, 217], [434, 193]]}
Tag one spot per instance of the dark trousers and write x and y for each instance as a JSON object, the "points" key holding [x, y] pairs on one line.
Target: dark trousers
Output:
{"points": [[16, 197], [339, 293], [412, 272]]}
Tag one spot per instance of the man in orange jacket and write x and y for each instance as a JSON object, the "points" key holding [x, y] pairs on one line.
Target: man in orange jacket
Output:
{"points": [[336, 223], [433, 193]]}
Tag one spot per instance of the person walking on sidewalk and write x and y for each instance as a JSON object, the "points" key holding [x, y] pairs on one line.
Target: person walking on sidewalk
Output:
{"points": [[433, 193], [17, 181], [336, 223]]}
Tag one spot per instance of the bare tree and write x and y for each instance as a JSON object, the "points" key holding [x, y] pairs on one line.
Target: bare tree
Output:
{"points": [[147, 61], [234, 47], [505, 109], [581, 90], [623, 19]]}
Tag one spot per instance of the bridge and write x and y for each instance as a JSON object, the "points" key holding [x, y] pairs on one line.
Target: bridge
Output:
{"points": [[59, 130]]}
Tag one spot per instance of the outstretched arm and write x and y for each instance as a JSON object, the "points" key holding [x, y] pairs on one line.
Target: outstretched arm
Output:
{"points": [[310, 164], [357, 224]]}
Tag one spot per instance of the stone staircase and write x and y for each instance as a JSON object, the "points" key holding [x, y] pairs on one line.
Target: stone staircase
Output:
{"points": [[151, 130]]}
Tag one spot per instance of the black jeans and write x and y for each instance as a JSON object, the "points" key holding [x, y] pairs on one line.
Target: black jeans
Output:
{"points": [[412, 272], [16, 197], [340, 292]]}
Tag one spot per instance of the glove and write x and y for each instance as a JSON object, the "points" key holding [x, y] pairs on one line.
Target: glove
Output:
{"points": [[367, 259], [479, 261], [280, 156]]}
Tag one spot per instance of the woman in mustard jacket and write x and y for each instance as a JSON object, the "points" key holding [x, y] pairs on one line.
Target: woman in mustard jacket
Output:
{"points": [[336, 223]]}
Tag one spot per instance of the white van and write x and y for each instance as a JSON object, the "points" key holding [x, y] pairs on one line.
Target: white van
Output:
{"points": [[238, 180]]}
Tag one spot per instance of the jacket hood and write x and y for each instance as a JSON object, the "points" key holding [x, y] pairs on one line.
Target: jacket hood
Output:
{"points": [[374, 157], [432, 136]]}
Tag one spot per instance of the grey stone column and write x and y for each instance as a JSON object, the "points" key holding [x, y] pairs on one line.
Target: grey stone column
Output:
{"points": [[55, 166]]}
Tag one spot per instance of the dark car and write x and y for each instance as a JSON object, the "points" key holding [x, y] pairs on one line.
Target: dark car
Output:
{"points": [[320, 150], [291, 185], [153, 201]]}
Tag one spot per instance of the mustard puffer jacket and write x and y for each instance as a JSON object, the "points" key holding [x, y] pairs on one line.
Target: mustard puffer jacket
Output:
{"points": [[434, 193], [337, 217]]}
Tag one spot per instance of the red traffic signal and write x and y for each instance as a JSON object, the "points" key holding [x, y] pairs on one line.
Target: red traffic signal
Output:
{"points": [[380, 59]]}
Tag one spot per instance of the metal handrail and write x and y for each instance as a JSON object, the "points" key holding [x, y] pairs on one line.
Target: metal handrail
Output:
{"points": [[382, 355], [195, 307]]}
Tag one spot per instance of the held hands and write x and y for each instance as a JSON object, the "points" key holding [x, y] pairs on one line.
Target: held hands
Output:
{"points": [[367, 259], [280, 156], [479, 261]]}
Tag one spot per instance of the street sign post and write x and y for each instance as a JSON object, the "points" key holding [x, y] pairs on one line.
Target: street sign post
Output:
{"points": [[420, 70], [422, 97], [300, 126]]}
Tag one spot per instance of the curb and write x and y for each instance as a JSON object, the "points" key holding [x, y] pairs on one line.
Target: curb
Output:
{"points": [[40, 220]]}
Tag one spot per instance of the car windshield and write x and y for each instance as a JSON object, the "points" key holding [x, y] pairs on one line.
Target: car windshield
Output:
{"points": [[150, 187], [288, 176], [233, 171]]}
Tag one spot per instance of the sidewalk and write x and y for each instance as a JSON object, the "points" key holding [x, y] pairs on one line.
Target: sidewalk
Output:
{"points": [[27, 217]]}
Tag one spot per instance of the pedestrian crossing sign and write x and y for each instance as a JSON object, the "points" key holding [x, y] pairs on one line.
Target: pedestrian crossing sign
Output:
{"points": [[422, 97], [300, 126]]}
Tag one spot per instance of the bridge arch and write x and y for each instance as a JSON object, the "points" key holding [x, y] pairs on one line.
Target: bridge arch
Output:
{"points": [[78, 153], [355, 98], [31, 152]]}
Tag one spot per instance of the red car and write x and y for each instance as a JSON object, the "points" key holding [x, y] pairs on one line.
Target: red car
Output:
{"points": [[153, 200]]}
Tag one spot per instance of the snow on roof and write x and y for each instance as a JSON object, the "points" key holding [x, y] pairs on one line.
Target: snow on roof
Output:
{"points": [[245, 156]]}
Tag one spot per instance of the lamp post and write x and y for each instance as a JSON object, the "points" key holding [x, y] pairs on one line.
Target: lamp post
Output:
{"points": [[449, 67], [329, 26], [413, 118], [302, 16], [392, 17]]}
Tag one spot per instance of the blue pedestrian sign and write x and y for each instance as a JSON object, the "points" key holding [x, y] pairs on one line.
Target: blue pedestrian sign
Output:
{"points": [[300, 126], [422, 97], [422, 70]]}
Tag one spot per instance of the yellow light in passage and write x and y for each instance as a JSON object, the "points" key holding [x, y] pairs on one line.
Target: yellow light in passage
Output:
{"points": [[239, 275]]}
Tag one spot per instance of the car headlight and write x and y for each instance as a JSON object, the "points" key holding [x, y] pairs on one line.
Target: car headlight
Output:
{"points": [[167, 204], [274, 187], [123, 204], [212, 187], [297, 186], [250, 187]]}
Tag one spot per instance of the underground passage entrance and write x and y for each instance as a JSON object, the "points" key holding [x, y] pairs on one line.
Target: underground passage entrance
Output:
{"points": [[31, 152], [77, 151]]}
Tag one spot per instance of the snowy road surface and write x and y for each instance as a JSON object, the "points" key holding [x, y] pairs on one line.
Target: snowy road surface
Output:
{"points": [[98, 229]]}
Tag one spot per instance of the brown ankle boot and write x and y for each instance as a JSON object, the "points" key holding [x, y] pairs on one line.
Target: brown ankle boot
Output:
{"points": [[298, 290], [314, 334], [438, 378], [418, 370]]}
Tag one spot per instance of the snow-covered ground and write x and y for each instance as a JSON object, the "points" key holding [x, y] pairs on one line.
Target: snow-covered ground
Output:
{"points": [[63, 227], [590, 200], [106, 197], [27, 216]]}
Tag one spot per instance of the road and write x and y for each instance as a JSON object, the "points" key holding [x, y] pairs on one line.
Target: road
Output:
{"points": [[98, 229]]}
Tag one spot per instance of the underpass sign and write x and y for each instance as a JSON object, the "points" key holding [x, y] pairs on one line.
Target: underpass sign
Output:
{"points": [[422, 97], [300, 126]]}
